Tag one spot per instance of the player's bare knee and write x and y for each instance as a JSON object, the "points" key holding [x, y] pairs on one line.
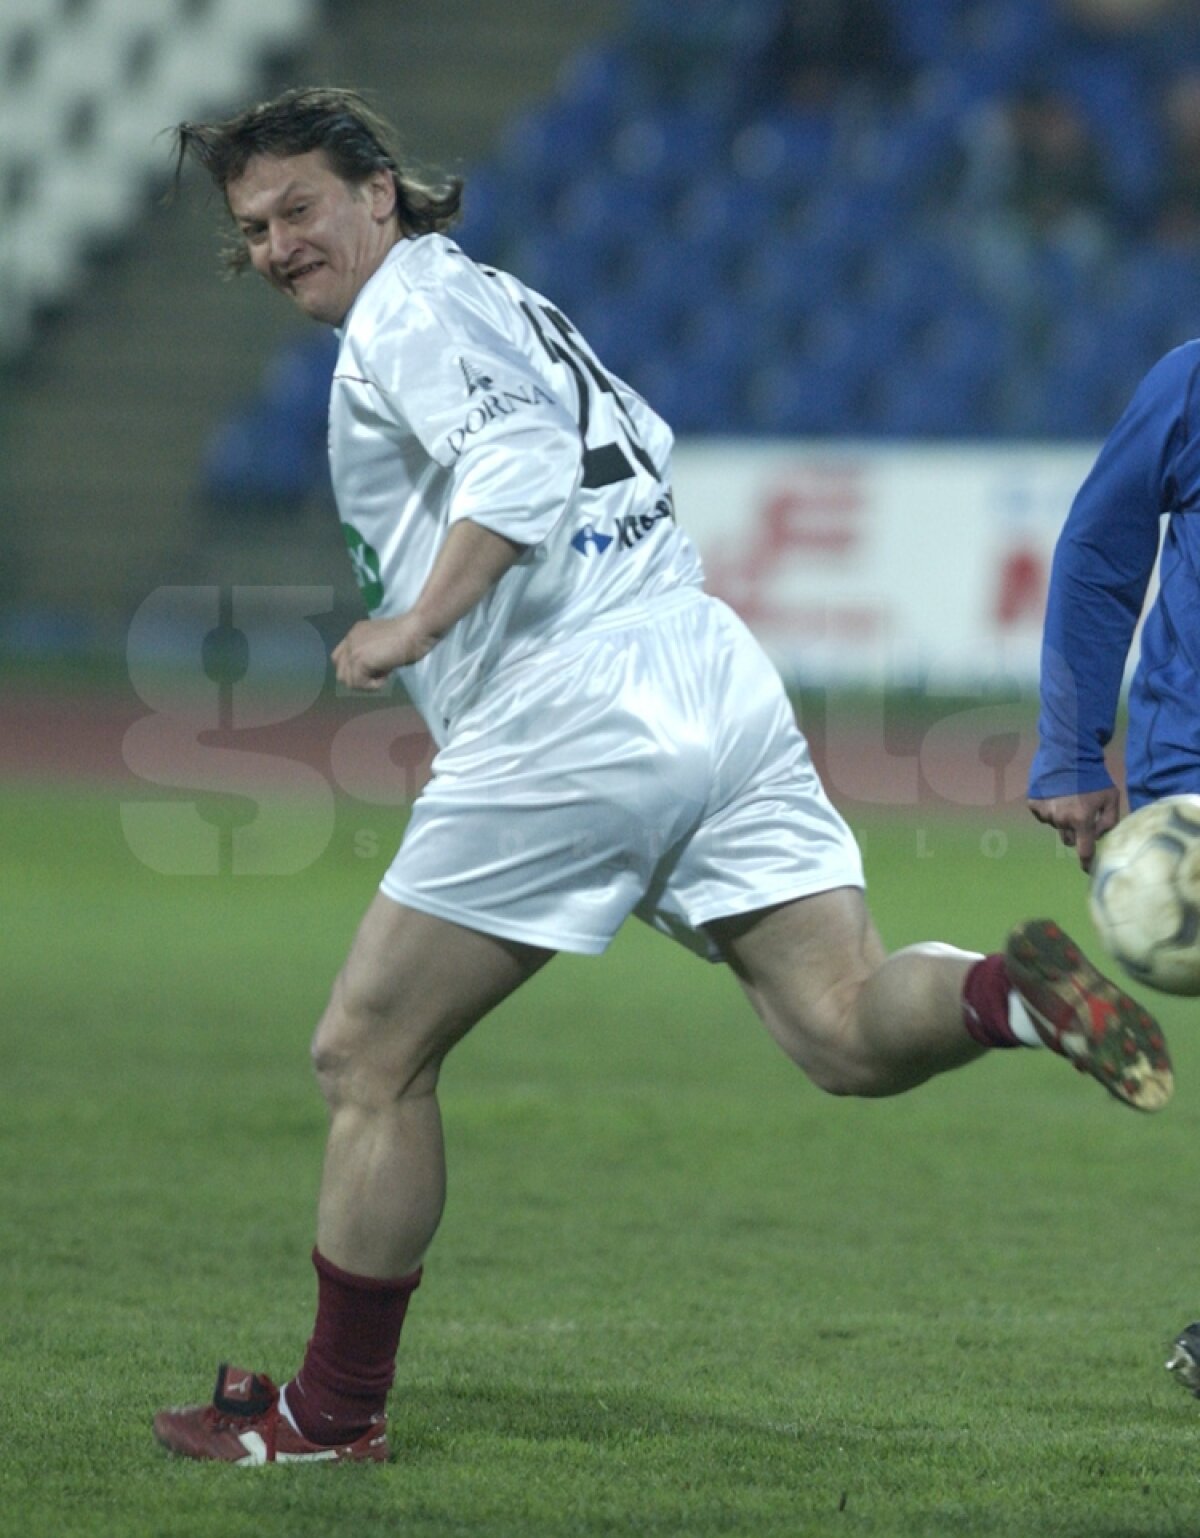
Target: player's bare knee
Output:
{"points": [[333, 1053], [366, 1072], [371, 1055]]}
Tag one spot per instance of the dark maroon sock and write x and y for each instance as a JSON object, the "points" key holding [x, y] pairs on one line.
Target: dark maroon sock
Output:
{"points": [[348, 1368], [985, 1003]]}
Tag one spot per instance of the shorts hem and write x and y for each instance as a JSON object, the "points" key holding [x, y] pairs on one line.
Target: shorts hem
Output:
{"points": [[500, 929], [791, 893]]}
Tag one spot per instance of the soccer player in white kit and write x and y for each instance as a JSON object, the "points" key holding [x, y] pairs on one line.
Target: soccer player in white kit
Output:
{"points": [[611, 741]]}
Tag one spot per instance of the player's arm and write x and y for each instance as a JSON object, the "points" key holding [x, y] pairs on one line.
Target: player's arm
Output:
{"points": [[469, 564], [512, 449], [1102, 565]]}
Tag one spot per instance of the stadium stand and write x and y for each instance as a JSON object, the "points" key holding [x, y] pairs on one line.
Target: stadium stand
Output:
{"points": [[108, 401], [85, 89], [929, 218]]}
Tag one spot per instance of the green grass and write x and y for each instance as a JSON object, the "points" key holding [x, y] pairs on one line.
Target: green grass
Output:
{"points": [[676, 1291]]}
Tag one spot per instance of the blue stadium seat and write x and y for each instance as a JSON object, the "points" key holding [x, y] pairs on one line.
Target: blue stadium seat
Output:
{"points": [[669, 148], [790, 152], [621, 329], [691, 395], [1121, 116], [1050, 402], [789, 277], [904, 154], [297, 378], [256, 461], [854, 339], [625, 324], [1159, 282], [917, 399], [926, 33], [913, 278], [269, 455], [805, 268], [1005, 42], [805, 397], [1113, 340], [605, 208], [972, 341], [719, 335], [604, 77], [674, 275], [860, 218], [490, 202], [1170, 45], [713, 51], [1058, 278], [565, 267], [733, 25], [729, 212], [548, 147], [1085, 339]]}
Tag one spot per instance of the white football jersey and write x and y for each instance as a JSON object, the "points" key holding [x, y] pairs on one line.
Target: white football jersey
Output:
{"points": [[460, 393]]}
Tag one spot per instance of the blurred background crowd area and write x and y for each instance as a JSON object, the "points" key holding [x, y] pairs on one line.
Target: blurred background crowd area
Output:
{"points": [[865, 217], [880, 219]]}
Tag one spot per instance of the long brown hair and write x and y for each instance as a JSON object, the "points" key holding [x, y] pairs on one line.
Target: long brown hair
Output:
{"points": [[352, 135]]}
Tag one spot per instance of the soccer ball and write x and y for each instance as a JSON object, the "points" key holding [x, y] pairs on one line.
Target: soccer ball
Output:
{"points": [[1145, 894]]}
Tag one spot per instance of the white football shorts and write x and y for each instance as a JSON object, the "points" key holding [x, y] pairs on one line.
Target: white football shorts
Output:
{"points": [[652, 765]]}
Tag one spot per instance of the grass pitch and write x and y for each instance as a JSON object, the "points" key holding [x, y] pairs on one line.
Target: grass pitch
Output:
{"points": [[677, 1291]]}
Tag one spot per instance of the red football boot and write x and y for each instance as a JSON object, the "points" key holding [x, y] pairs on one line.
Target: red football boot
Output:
{"points": [[1081, 1014], [244, 1425]]}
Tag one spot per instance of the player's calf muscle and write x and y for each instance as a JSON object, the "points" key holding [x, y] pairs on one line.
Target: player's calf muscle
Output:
{"points": [[829, 1046]]}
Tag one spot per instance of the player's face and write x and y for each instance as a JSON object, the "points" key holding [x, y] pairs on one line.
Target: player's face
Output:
{"points": [[312, 235]]}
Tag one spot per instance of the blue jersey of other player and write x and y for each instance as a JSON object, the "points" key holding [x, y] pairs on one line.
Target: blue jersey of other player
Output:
{"points": [[1149, 466]]}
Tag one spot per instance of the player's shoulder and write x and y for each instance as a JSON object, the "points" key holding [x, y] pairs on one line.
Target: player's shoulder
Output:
{"points": [[1176, 370], [432, 266], [1166, 401], [425, 281]]}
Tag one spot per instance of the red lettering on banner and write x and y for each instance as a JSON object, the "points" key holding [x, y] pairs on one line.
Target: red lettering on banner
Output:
{"points": [[816, 512], [825, 522], [814, 516], [1021, 590]]}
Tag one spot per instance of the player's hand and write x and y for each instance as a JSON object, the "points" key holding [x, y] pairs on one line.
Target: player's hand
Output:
{"points": [[1081, 818], [371, 650]]}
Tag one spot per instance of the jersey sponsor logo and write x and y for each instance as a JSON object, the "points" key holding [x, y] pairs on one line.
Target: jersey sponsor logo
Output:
{"points": [[476, 379], [364, 559], [503, 403], [588, 536], [631, 528], [635, 526]]}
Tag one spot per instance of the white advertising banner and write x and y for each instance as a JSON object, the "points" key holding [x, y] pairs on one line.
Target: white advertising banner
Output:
{"points": [[863, 564]]}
